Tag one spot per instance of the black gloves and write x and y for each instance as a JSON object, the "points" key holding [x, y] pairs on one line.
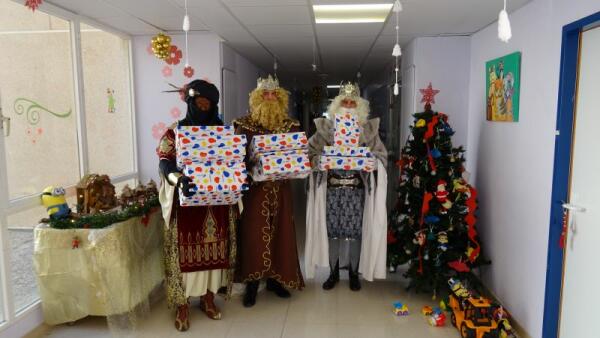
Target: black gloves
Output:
{"points": [[188, 189]]}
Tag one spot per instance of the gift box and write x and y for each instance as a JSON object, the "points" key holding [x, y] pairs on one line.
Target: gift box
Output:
{"points": [[208, 143], [346, 151], [226, 151], [276, 142], [204, 198], [217, 182], [281, 165], [347, 131], [192, 132], [347, 163]]}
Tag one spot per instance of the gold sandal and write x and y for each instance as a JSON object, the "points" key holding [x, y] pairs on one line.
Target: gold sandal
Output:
{"points": [[182, 322], [207, 305]]}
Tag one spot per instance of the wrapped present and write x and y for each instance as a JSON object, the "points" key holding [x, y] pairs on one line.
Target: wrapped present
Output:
{"points": [[281, 165], [226, 150], [347, 131], [346, 151], [193, 132], [347, 163], [275, 142], [217, 182], [204, 198], [202, 143]]}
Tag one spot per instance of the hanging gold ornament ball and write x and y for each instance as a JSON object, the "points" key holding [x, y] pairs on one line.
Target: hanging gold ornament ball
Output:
{"points": [[161, 44]]}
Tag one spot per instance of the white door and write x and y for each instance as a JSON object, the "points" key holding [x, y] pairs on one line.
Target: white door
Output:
{"points": [[580, 296]]}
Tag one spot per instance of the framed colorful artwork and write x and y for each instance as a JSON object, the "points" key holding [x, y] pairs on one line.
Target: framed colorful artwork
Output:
{"points": [[503, 83]]}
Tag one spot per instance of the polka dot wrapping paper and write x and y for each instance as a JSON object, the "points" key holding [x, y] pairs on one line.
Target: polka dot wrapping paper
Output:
{"points": [[274, 142], [347, 130], [217, 182], [213, 157], [279, 157], [346, 151], [203, 143], [347, 163], [281, 165]]}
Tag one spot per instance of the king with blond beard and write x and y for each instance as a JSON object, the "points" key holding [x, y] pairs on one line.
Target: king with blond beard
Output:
{"points": [[267, 238]]}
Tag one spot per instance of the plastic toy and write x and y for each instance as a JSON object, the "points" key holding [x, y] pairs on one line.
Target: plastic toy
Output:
{"points": [[437, 318], [473, 316], [400, 309], [427, 310], [53, 198]]}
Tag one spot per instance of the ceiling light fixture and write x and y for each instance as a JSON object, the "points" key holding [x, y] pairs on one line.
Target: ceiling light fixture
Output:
{"points": [[333, 86], [363, 13]]}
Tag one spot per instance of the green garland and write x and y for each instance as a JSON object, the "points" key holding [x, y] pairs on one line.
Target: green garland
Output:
{"points": [[102, 220]]}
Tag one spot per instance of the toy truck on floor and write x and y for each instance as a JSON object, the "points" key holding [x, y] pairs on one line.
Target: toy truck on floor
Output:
{"points": [[471, 315]]}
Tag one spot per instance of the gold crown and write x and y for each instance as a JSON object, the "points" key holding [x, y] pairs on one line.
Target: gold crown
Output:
{"points": [[268, 83], [349, 89]]}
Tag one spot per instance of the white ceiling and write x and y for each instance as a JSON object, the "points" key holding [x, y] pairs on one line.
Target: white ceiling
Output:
{"points": [[264, 29]]}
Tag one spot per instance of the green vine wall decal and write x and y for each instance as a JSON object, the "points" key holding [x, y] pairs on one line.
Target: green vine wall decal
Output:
{"points": [[32, 110]]}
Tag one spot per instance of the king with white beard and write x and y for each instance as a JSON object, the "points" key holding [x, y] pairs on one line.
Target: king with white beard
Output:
{"points": [[346, 212]]}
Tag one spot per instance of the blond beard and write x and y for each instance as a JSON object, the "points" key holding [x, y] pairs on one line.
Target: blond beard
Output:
{"points": [[269, 114]]}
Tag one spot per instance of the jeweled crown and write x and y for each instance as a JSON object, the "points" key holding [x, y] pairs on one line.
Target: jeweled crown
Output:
{"points": [[349, 89], [268, 83]]}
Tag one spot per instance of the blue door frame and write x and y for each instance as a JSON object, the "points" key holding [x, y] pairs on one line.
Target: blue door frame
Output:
{"points": [[562, 163]]}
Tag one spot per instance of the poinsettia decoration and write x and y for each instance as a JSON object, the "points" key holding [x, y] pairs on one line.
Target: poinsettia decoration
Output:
{"points": [[33, 4], [175, 55]]}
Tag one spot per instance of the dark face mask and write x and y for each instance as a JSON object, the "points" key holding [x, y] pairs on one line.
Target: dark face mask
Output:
{"points": [[195, 116], [198, 117]]}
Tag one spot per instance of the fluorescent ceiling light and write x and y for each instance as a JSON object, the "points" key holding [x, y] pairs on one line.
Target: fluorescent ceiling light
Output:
{"points": [[351, 13], [333, 86]]}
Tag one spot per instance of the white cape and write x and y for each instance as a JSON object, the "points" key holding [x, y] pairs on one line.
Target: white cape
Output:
{"points": [[374, 232]]}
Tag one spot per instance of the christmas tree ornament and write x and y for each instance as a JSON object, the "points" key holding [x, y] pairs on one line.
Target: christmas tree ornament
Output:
{"points": [[161, 46], [420, 123], [504, 31], [428, 94], [416, 182], [75, 242]]}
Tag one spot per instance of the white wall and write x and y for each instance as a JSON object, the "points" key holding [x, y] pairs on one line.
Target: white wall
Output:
{"points": [[154, 107], [512, 163], [443, 61], [245, 77]]}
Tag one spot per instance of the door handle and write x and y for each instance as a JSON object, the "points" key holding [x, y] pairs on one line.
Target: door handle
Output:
{"points": [[573, 207]]}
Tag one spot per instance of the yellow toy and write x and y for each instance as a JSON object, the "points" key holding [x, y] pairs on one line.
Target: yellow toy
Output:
{"points": [[55, 202], [427, 310], [400, 309]]}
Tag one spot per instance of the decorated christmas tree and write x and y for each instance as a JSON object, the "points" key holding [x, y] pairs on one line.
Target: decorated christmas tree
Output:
{"points": [[432, 227]]}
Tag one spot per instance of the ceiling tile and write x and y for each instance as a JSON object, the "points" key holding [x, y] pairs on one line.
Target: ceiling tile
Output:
{"points": [[253, 3], [274, 15], [92, 9], [281, 31], [348, 30], [129, 25]]}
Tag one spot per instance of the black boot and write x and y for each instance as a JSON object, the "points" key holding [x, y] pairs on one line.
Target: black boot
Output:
{"points": [[250, 296], [354, 282], [334, 277], [275, 286]]}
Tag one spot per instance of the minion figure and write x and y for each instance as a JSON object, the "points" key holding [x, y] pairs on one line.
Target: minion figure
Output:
{"points": [[55, 202]]}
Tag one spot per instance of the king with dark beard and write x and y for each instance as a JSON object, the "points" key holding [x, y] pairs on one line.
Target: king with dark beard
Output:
{"points": [[267, 238], [192, 231]]}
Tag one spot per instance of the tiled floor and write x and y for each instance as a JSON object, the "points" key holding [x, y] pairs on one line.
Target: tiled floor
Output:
{"points": [[312, 312]]}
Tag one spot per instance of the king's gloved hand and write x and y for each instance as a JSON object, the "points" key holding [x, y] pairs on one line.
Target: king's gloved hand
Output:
{"points": [[187, 187]]}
